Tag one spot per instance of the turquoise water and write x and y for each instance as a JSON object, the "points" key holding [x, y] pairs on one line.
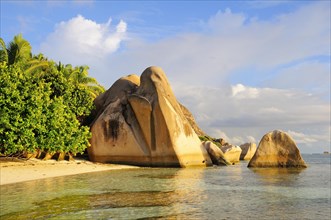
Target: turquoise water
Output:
{"points": [[233, 192]]}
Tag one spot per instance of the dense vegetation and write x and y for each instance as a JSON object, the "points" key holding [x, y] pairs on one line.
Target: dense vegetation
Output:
{"points": [[43, 104]]}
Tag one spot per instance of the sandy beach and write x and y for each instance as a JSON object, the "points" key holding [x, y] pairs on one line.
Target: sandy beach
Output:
{"points": [[18, 170]]}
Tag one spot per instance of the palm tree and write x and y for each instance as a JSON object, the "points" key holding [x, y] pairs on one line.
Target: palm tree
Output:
{"points": [[19, 49], [3, 51], [36, 62], [79, 77]]}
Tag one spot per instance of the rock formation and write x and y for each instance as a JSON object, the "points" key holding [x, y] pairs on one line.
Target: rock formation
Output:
{"points": [[221, 141], [231, 153], [277, 149], [216, 154], [188, 115], [248, 151], [140, 122]]}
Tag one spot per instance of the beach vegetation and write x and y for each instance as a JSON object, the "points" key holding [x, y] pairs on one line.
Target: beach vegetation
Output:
{"points": [[43, 104]]}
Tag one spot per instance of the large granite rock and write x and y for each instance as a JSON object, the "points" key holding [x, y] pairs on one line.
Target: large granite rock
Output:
{"points": [[140, 122], [277, 149], [231, 153], [248, 151], [216, 154], [188, 115]]}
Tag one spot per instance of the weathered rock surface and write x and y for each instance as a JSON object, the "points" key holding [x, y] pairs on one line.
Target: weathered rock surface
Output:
{"points": [[221, 141], [277, 149], [216, 154], [248, 151], [231, 153], [188, 115], [140, 122]]}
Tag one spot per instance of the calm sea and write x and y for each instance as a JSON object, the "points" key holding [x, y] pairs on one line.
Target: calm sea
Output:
{"points": [[233, 192]]}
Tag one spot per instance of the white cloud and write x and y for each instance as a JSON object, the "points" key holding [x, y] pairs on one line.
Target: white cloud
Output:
{"points": [[230, 43], [235, 140], [312, 140], [301, 138], [83, 41], [270, 110], [248, 119], [226, 21], [241, 92], [313, 75], [251, 139]]}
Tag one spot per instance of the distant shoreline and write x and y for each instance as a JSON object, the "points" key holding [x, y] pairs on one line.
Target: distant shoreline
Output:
{"points": [[18, 170], [324, 153]]}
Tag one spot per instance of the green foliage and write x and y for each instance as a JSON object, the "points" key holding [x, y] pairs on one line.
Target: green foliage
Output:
{"points": [[79, 77], [40, 109], [19, 50], [208, 138], [3, 51]]}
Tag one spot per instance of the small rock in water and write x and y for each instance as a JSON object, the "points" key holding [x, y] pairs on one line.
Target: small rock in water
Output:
{"points": [[277, 149], [248, 151]]}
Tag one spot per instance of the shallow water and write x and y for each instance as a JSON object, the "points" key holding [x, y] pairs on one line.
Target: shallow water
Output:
{"points": [[233, 192]]}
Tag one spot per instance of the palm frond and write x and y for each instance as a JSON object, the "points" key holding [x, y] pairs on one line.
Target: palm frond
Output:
{"points": [[3, 51], [36, 65]]}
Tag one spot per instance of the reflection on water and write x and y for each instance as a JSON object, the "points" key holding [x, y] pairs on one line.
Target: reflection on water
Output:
{"points": [[278, 176], [233, 192], [164, 192], [75, 203]]}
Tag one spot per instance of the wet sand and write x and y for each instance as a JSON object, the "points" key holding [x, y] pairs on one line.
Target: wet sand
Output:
{"points": [[18, 170]]}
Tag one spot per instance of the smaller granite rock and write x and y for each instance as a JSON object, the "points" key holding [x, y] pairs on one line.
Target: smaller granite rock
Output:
{"points": [[215, 153], [277, 149], [231, 153], [248, 151], [221, 141]]}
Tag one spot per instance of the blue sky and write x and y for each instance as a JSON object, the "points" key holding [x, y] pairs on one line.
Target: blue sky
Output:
{"points": [[243, 68]]}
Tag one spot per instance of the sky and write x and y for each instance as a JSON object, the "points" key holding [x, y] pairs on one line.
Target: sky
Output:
{"points": [[243, 68]]}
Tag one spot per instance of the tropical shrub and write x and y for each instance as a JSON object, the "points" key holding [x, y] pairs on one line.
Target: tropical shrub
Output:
{"points": [[42, 107]]}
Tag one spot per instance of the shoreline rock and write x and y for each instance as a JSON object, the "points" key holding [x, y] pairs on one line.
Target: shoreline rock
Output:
{"points": [[140, 122], [216, 154], [248, 151], [277, 149], [231, 153]]}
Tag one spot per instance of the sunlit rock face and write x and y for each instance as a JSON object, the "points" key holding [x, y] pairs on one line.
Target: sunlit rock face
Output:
{"points": [[231, 153], [277, 149], [188, 115], [216, 154], [140, 122], [248, 151]]}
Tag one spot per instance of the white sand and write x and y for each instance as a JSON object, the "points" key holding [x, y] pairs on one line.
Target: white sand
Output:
{"points": [[14, 171]]}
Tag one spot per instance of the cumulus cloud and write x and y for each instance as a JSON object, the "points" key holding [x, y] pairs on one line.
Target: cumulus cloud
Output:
{"points": [[240, 91], [82, 41], [225, 22], [251, 139], [231, 44], [311, 75], [301, 138], [248, 119]]}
